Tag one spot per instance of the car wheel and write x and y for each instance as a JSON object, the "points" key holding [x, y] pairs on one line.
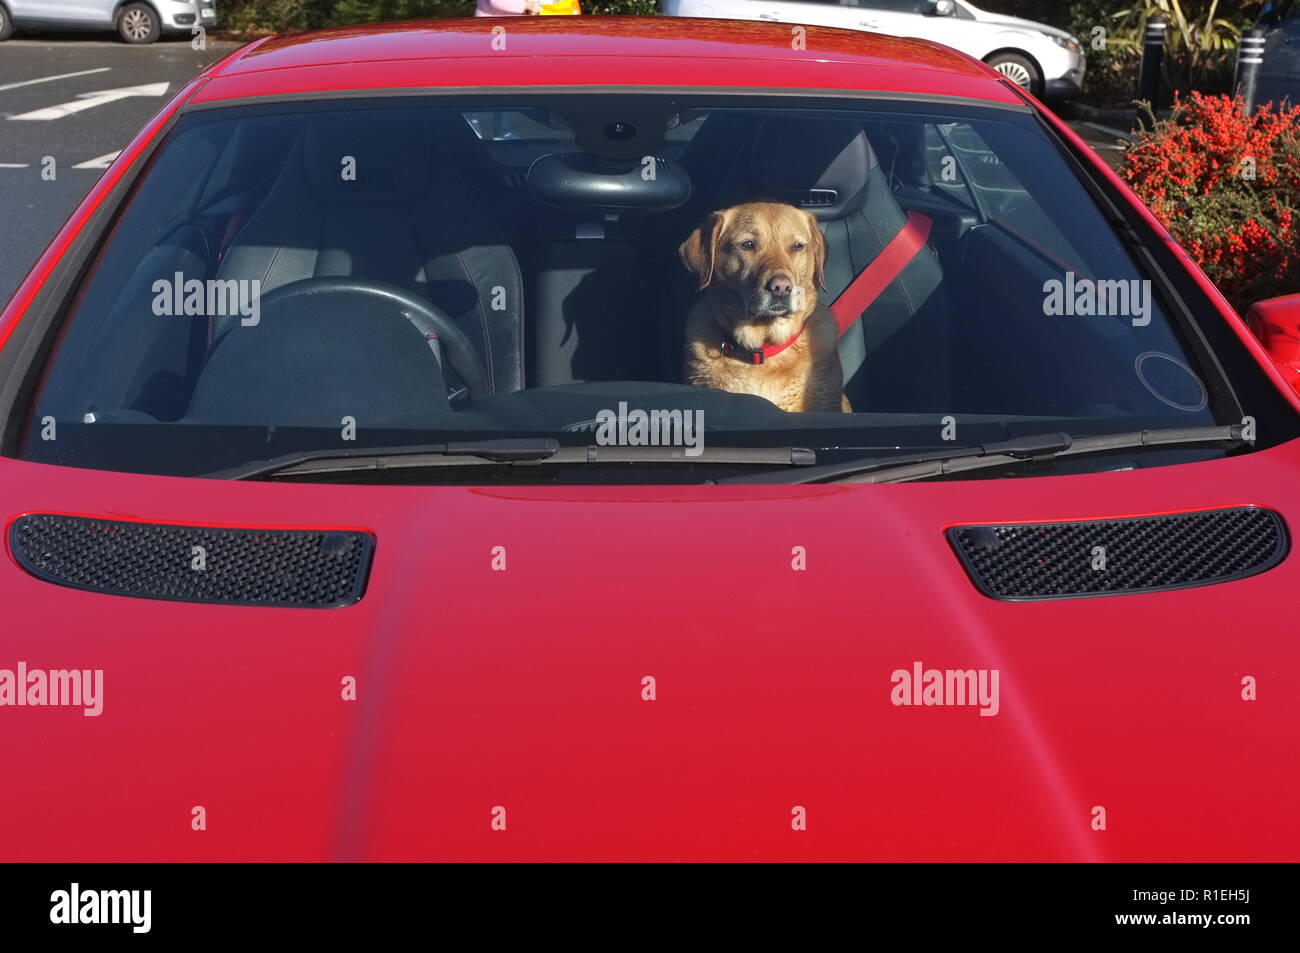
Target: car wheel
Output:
{"points": [[1020, 70], [137, 23], [6, 24]]}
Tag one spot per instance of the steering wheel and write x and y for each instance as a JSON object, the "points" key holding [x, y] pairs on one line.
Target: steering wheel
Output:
{"points": [[428, 319]]}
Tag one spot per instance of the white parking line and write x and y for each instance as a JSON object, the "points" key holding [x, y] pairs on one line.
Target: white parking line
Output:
{"points": [[100, 162], [91, 100], [103, 162], [50, 79]]}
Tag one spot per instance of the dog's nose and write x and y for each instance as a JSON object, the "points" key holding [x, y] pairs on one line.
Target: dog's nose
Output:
{"points": [[780, 285]]}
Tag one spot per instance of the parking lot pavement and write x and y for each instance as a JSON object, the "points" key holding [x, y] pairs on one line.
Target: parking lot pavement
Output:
{"points": [[1109, 142], [78, 102]]}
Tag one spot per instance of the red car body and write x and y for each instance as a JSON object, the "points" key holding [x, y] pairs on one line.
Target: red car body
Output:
{"points": [[480, 689]]}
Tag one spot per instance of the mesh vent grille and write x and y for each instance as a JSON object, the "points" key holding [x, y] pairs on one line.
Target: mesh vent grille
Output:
{"points": [[1025, 561], [253, 567]]}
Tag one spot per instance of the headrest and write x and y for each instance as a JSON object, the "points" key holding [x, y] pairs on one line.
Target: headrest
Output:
{"points": [[391, 157], [821, 165]]}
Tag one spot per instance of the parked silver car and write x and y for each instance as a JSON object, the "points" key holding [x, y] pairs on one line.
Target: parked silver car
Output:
{"points": [[136, 21], [1042, 59]]}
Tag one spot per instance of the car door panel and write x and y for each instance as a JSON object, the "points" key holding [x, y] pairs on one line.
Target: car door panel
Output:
{"points": [[98, 12], [793, 11], [29, 10]]}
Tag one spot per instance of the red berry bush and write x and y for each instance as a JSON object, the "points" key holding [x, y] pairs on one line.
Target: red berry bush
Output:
{"points": [[1227, 186]]}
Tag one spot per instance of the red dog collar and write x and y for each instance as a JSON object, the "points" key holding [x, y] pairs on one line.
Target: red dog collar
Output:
{"points": [[759, 355]]}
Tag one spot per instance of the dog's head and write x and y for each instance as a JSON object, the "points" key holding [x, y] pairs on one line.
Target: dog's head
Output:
{"points": [[762, 263]]}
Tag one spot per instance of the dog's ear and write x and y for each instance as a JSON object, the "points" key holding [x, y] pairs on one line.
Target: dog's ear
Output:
{"points": [[818, 251], [699, 248]]}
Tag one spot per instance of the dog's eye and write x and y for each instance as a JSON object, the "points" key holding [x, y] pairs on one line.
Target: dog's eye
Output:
{"points": [[747, 244], [797, 246]]}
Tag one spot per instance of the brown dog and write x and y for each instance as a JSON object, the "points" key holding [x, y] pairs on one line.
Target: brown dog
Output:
{"points": [[759, 328]]}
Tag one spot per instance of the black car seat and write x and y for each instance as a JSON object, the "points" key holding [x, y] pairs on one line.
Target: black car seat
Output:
{"points": [[407, 218]]}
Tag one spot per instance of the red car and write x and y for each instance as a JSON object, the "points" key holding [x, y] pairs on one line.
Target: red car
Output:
{"points": [[356, 507]]}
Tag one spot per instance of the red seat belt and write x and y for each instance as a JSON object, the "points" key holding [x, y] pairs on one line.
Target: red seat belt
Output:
{"points": [[884, 268]]}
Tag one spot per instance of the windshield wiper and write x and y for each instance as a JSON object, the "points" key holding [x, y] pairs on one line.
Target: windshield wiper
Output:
{"points": [[521, 451], [902, 468], [382, 458]]}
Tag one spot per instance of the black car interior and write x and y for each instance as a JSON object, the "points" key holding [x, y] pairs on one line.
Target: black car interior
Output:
{"points": [[412, 267]]}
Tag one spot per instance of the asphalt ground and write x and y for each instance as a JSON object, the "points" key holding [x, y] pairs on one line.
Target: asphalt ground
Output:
{"points": [[79, 101], [50, 81]]}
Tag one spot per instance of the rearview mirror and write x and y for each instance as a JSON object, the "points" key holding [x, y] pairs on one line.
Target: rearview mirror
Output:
{"points": [[1276, 322], [585, 183]]}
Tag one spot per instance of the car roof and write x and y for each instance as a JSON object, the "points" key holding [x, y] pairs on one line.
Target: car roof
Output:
{"points": [[610, 52]]}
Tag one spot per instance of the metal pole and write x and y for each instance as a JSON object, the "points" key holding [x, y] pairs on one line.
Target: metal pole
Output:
{"points": [[1153, 51], [1250, 56]]}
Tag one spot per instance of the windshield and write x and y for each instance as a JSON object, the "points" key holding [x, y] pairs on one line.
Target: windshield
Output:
{"points": [[591, 268]]}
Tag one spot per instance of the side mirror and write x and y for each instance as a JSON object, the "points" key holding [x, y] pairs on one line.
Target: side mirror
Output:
{"points": [[1276, 322]]}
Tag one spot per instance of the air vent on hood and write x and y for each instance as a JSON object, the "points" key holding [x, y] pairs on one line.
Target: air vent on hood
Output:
{"points": [[310, 569], [1031, 561]]}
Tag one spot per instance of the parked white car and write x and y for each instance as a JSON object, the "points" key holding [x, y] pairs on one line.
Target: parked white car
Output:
{"points": [[1042, 59], [136, 21]]}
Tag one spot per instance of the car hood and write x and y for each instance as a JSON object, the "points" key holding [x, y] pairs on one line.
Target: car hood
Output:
{"points": [[501, 652], [1016, 23]]}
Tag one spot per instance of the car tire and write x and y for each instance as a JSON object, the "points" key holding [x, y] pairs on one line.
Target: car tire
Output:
{"points": [[6, 24], [138, 23], [1020, 70]]}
